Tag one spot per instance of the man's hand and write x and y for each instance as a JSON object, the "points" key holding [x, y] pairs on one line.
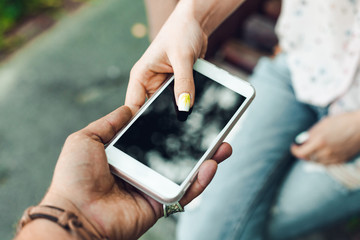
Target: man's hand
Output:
{"points": [[334, 140], [82, 181]]}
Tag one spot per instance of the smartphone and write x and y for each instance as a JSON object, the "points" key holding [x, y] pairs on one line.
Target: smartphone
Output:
{"points": [[161, 149]]}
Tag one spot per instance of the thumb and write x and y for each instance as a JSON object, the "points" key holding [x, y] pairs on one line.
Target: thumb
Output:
{"points": [[184, 88], [106, 127]]}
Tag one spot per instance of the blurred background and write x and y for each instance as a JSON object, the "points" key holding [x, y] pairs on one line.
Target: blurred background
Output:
{"points": [[65, 63]]}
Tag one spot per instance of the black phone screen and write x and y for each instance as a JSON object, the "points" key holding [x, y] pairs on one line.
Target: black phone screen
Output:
{"points": [[171, 142]]}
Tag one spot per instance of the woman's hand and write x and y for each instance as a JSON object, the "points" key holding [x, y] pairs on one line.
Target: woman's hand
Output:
{"points": [[334, 140], [174, 50], [82, 182], [181, 40]]}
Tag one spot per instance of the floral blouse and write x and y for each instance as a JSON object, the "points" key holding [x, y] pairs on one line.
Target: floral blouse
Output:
{"points": [[322, 42]]}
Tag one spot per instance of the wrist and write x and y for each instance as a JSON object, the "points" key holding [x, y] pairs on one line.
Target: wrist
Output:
{"points": [[209, 14], [199, 11], [53, 199], [42, 229]]}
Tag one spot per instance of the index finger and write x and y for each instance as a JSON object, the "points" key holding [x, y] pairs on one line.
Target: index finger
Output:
{"points": [[223, 152], [206, 173], [135, 93], [305, 150], [184, 88]]}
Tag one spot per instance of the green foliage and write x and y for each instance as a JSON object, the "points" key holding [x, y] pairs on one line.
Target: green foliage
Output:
{"points": [[12, 11]]}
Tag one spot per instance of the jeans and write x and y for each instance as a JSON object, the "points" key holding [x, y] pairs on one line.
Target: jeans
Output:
{"points": [[262, 191]]}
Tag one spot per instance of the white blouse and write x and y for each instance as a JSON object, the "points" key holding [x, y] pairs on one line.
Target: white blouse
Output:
{"points": [[322, 42]]}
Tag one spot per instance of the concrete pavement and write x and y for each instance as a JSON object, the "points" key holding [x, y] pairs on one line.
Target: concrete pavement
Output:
{"points": [[69, 76]]}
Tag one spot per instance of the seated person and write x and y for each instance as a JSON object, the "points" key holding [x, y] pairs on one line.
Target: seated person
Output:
{"points": [[270, 187]]}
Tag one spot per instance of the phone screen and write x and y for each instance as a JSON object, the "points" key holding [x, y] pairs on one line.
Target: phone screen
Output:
{"points": [[171, 142]]}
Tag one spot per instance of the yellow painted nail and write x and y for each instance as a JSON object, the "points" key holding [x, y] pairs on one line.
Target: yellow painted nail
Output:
{"points": [[184, 102]]}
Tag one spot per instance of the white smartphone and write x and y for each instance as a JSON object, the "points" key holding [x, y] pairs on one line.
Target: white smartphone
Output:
{"points": [[161, 149]]}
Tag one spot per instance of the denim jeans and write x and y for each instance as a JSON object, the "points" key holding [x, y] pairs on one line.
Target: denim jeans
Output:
{"points": [[262, 191]]}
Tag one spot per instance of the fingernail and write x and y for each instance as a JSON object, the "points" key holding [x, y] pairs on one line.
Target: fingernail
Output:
{"points": [[184, 102], [302, 138]]}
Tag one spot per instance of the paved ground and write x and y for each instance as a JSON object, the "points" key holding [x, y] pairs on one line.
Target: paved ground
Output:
{"points": [[69, 76]]}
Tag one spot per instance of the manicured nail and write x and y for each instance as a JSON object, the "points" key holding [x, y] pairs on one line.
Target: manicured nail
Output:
{"points": [[302, 138], [184, 102]]}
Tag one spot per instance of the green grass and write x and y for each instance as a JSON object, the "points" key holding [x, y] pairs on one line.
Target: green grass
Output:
{"points": [[12, 12]]}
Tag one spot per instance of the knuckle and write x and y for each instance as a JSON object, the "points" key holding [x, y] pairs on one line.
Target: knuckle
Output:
{"points": [[134, 70], [73, 137], [185, 53], [188, 54], [322, 141], [182, 80], [327, 153]]}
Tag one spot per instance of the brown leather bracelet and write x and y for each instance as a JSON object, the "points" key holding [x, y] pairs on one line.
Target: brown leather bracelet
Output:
{"points": [[79, 227]]}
